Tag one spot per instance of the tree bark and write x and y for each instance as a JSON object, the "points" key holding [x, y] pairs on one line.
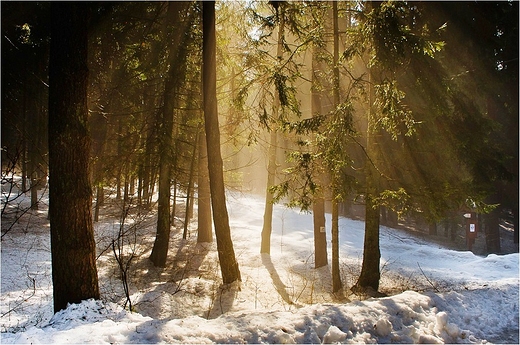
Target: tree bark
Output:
{"points": [[336, 276], [162, 239], [189, 193], [265, 245], [318, 206], [320, 235], [226, 253], [204, 233], [267, 228], [370, 271], [492, 232], [73, 249]]}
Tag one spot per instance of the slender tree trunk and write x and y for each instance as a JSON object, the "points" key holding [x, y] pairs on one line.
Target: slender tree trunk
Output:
{"points": [[515, 224], [267, 228], [34, 147], [189, 194], [204, 233], [492, 232], [226, 253], [98, 148], [265, 245], [73, 249], [25, 136], [318, 206], [320, 235], [162, 239], [336, 276], [432, 229], [100, 200], [174, 203]]}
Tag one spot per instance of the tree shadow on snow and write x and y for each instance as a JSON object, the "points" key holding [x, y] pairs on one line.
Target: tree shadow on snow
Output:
{"points": [[277, 281]]}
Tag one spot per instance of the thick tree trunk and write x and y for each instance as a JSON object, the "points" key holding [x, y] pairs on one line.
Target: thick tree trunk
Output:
{"points": [[204, 233], [73, 249], [370, 271], [226, 253]]}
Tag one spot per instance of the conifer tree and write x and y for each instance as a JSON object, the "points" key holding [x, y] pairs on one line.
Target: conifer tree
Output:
{"points": [[73, 249], [226, 253]]}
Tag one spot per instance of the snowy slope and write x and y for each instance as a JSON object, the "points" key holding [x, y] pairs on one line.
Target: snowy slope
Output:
{"points": [[460, 298]]}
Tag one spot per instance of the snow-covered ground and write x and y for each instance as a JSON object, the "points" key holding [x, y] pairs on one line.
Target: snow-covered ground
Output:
{"points": [[436, 295]]}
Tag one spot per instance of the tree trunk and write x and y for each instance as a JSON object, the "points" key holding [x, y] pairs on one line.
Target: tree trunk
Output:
{"points": [[318, 206], [226, 253], [189, 193], [492, 232], [174, 203], [162, 239], [370, 272], [320, 235], [267, 228], [432, 229], [265, 245], [25, 136], [204, 233], [100, 200], [73, 249], [515, 225], [34, 143], [336, 276]]}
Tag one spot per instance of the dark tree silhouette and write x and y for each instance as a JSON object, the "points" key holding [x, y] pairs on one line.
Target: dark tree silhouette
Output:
{"points": [[73, 250]]}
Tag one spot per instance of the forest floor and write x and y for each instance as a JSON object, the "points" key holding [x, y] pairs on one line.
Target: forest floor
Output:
{"points": [[435, 294]]}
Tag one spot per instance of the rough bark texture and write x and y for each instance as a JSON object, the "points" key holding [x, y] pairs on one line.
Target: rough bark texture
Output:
{"points": [[370, 271], [226, 253], [73, 249]]}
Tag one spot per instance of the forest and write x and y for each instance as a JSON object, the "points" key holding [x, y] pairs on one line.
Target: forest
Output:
{"points": [[183, 143]]}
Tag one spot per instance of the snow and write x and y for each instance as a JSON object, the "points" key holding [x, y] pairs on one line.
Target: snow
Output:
{"points": [[436, 295]]}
